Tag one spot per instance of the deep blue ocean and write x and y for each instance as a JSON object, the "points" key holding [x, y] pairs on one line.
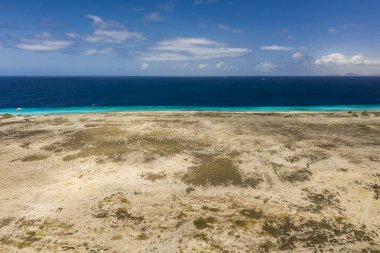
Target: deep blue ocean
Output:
{"points": [[44, 95]]}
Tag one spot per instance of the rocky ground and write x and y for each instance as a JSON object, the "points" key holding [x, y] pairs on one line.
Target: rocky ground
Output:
{"points": [[190, 182]]}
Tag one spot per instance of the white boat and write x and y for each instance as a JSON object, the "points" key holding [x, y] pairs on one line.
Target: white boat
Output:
{"points": [[18, 109]]}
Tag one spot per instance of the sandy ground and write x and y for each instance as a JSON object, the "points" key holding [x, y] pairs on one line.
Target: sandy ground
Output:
{"points": [[190, 182]]}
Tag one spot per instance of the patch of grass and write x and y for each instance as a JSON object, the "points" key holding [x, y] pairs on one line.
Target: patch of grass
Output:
{"points": [[217, 170], [240, 223], [142, 237], [33, 158], [202, 237], [253, 182], [57, 121], [212, 209], [252, 213], [24, 242], [376, 190], [313, 233], [93, 125], [110, 143], [31, 235], [200, 223], [267, 246], [17, 134], [25, 223], [211, 220], [114, 205], [213, 171], [5, 221], [25, 144], [189, 190], [321, 200], [121, 213], [116, 237], [53, 224], [295, 176], [153, 176], [212, 114], [365, 113], [181, 215], [6, 116]]}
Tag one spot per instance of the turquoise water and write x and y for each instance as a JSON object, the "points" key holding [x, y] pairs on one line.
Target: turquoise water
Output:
{"points": [[103, 109]]}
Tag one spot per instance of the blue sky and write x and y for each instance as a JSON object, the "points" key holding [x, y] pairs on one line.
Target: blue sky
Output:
{"points": [[189, 37]]}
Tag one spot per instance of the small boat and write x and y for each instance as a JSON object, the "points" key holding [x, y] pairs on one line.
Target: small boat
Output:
{"points": [[18, 109]]}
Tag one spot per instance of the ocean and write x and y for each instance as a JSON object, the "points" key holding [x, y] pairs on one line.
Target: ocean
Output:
{"points": [[54, 95]]}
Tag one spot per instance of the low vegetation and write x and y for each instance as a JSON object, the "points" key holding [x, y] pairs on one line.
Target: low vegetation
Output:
{"points": [[33, 158], [110, 143], [153, 176]]}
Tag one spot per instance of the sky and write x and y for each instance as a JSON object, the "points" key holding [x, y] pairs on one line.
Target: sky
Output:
{"points": [[189, 37]]}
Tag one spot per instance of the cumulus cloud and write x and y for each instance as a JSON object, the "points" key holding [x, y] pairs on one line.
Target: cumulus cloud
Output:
{"points": [[297, 56], [72, 35], [228, 29], [276, 48], [219, 65], [144, 66], [183, 49], [110, 32], [339, 59], [93, 51], [154, 16], [202, 66], [266, 67], [43, 42], [95, 19]]}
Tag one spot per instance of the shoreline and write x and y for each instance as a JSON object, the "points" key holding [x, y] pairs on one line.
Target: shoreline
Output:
{"points": [[190, 109]]}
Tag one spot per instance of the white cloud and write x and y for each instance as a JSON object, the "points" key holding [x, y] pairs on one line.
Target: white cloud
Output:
{"points": [[297, 56], [332, 30], [112, 36], [202, 66], [92, 51], [339, 59], [72, 35], [110, 32], [183, 49], [43, 42], [144, 66], [220, 65], [154, 16], [265, 67], [277, 48], [228, 29], [95, 19], [166, 6]]}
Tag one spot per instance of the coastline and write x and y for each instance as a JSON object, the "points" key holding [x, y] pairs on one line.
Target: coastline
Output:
{"points": [[113, 109], [190, 181]]}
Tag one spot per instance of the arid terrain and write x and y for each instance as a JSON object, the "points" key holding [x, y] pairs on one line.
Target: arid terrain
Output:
{"points": [[190, 182]]}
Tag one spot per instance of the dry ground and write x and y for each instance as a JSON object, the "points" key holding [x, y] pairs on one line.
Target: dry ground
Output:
{"points": [[190, 182]]}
